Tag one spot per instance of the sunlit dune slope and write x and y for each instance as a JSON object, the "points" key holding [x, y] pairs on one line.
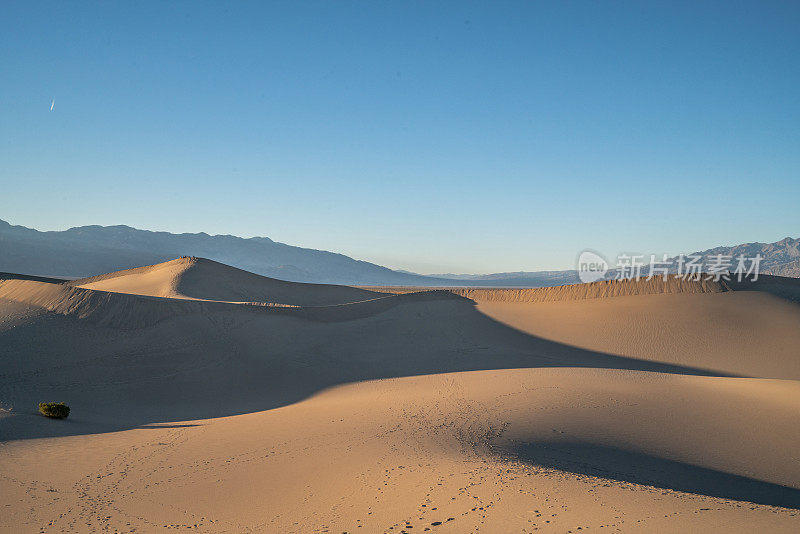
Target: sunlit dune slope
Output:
{"points": [[742, 328], [199, 278], [132, 311], [746, 333]]}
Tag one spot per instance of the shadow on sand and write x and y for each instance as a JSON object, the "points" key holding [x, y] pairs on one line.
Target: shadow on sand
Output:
{"points": [[629, 466], [197, 367], [202, 366]]}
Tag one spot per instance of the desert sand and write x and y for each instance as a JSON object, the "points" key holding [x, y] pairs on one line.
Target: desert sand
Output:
{"points": [[209, 399]]}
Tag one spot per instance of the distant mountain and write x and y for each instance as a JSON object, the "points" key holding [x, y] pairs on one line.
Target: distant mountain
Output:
{"points": [[781, 258], [91, 250]]}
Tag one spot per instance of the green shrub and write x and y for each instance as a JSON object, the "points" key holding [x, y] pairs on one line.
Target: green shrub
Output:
{"points": [[58, 410]]}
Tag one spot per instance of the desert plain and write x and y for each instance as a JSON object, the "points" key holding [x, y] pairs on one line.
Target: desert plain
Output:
{"points": [[209, 399]]}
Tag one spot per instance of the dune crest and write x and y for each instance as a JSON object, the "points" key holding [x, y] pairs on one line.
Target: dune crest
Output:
{"points": [[144, 296], [592, 290], [786, 288], [130, 311], [595, 290], [202, 279]]}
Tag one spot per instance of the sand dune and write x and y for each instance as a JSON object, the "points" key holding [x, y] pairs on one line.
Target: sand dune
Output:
{"points": [[643, 408], [600, 289], [135, 310], [740, 333], [199, 278]]}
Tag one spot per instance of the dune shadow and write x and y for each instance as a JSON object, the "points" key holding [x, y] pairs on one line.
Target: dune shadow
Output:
{"points": [[222, 364], [780, 286], [198, 367], [638, 468]]}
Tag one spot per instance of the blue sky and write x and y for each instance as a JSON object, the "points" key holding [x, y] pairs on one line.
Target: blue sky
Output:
{"points": [[430, 136]]}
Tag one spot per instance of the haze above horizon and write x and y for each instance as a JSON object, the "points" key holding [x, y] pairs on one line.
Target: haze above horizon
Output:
{"points": [[461, 137]]}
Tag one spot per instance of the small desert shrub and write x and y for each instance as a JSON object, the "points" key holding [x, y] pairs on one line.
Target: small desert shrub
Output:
{"points": [[59, 410]]}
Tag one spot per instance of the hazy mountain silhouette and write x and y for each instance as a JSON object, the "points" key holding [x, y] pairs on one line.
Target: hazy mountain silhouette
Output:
{"points": [[91, 250], [781, 258]]}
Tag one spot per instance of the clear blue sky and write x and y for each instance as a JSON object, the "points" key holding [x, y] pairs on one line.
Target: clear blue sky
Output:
{"points": [[430, 136]]}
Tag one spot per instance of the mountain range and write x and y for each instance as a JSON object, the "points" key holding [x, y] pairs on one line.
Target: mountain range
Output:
{"points": [[91, 250]]}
